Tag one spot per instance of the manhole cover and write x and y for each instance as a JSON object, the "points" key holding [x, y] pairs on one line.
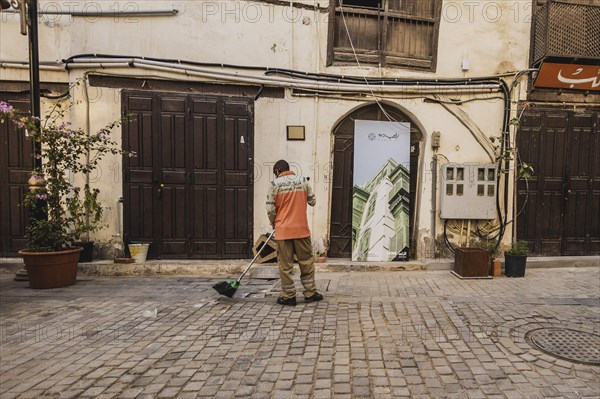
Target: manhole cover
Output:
{"points": [[575, 346]]}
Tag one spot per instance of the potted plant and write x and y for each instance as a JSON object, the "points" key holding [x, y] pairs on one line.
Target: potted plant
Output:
{"points": [[49, 257], [86, 213], [515, 259]]}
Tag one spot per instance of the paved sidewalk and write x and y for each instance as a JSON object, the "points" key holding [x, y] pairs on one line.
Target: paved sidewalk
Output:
{"points": [[376, 334], [229, 267]]}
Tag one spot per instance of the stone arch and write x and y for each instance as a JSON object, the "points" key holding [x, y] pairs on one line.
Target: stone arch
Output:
{"points": [[340, 221]]}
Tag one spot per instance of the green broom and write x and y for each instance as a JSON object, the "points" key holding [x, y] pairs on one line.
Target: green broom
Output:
{"points": [[228, 288]]}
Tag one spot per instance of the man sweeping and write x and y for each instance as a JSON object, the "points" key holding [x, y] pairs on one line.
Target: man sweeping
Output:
{"points": [[288, 197]]}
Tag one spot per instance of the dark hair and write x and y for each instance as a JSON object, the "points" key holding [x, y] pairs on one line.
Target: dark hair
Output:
{"points": [[280, 166]]}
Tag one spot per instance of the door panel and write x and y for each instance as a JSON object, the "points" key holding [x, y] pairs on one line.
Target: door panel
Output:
{"points": [[205, 180], [141, 218], [16, 164], [199, 175], [579, 227], [173, 221], [204, 228], [594, 233], [340, 231], [237, 179], [172, 181], [561, 215], [527, 194], [138, 191], [542, 140]]}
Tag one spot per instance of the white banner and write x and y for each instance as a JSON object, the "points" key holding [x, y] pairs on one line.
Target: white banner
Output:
{"points": [[380, 202]]}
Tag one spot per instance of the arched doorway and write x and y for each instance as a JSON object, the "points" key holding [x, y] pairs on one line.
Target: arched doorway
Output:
{"points": [[340, 227]]}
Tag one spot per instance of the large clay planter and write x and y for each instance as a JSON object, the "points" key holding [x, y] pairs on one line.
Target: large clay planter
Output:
{"points": [[51, 269]]}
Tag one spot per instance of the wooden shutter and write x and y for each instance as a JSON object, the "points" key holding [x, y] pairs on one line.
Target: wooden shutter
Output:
{"points": [[398, 33]]}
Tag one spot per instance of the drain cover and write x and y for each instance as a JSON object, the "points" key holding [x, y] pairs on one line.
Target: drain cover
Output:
{"points": [[575, 346]]}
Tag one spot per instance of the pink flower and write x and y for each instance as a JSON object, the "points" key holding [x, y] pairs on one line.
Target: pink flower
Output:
{"points": [[5, 108]]}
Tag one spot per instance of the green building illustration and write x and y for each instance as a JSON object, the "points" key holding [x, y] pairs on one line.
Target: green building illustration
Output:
{"points": [[380, 214]]}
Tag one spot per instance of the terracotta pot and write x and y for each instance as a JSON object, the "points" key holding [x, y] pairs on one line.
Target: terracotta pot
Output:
{"points": [[496, 268], [51, 269]]}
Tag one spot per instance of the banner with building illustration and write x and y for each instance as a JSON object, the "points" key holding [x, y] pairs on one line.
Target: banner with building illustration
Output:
{"points": [[380, 202]]}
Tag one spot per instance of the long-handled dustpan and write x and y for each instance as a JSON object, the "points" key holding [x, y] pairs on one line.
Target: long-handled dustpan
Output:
{"points": [[228, 288]]}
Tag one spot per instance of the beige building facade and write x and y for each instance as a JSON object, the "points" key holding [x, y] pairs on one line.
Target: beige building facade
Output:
{"points": [[459, 68]]}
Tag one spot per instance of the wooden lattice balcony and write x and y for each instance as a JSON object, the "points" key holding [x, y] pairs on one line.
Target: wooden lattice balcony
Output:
{"points": [[566, 30]]}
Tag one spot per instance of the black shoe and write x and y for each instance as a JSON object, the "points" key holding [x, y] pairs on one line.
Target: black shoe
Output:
{"points": [[286, 302], [316, 297]]}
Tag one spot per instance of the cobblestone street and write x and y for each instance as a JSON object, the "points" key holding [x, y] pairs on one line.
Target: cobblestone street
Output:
{"points": [[376, 334]]}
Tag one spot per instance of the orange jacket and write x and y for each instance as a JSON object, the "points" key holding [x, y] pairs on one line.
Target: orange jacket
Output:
{"points": [[286, 206]]}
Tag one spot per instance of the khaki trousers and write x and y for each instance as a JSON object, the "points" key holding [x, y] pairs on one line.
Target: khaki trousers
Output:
{"points": [[302, 248]]}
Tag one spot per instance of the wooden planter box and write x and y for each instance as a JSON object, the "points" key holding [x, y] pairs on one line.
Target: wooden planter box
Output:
{"points": [[471, 262]]}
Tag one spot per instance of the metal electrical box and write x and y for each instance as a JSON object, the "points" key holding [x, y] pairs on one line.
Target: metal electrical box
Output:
{"points": [[468, 191]]}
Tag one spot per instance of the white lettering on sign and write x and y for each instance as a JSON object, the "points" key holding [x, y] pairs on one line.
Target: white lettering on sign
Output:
{"points": [[595, 81]]}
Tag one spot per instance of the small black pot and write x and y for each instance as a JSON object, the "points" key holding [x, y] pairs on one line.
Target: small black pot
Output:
{"points": [[87, 255], [514, 265]]}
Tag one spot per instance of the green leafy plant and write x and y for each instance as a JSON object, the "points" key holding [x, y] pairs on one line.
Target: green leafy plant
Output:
{"points": [[518, 248], [487, 245], [85, 211], [523, 170], [66, 152]]}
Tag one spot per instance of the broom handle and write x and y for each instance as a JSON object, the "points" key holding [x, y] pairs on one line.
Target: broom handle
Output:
{"points": [[256, 256]]}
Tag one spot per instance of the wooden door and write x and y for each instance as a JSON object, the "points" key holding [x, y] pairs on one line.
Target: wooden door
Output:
{"points": [[560, 204], [139, 183], [237, 194], [582, 186], [16, 164], [340, 228], [197, 175], [206, 179], [221, 207], [171, 177]]}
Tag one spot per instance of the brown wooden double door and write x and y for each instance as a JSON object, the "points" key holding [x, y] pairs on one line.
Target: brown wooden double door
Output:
{"points": [[561, 214], [16, 164], [189, 189]]}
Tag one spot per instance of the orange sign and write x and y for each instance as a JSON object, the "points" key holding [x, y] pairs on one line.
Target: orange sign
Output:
{"points": [[569, 76]]}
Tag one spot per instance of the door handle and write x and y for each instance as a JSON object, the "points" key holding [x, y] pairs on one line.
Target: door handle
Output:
{"points": [[160, 190]]}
